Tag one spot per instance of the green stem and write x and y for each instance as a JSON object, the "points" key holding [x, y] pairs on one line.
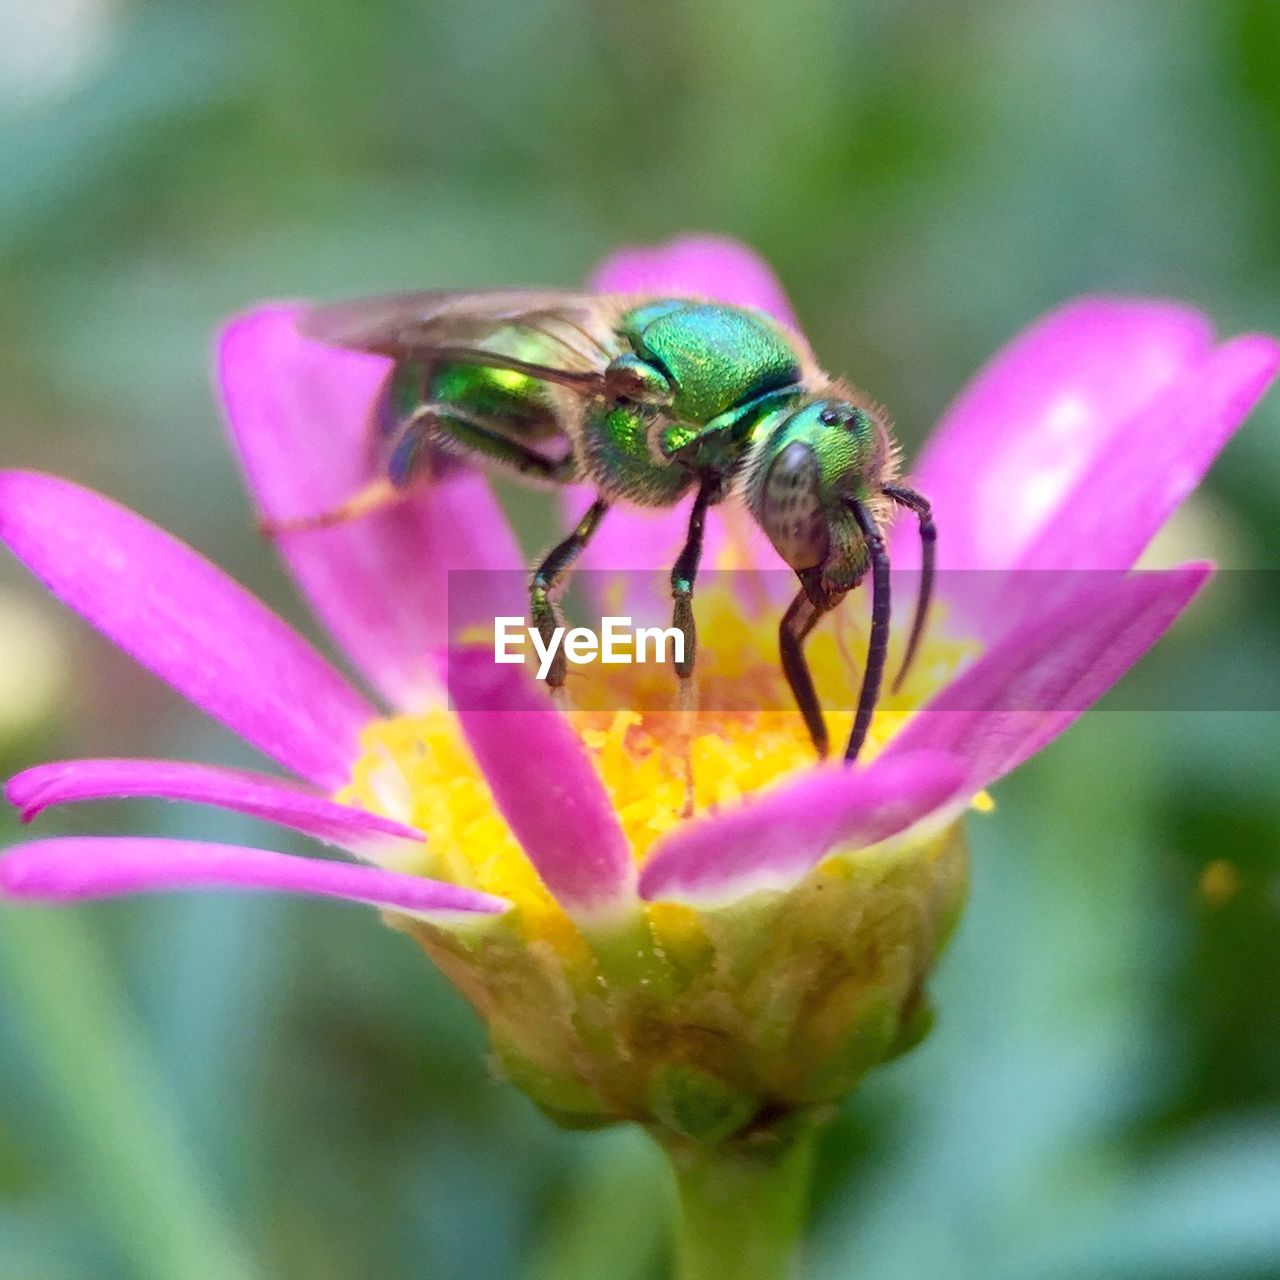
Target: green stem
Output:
{"points": [[138, 1173], [741, 1208]]}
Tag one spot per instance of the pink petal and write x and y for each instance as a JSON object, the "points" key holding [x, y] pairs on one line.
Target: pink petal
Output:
{"points": [[711, 267], [186, 622], [543, 783], [1009, 452], [1160, 456], [1027, 689], [771, 841], [299, 415], [269, 799], [74, 867]]}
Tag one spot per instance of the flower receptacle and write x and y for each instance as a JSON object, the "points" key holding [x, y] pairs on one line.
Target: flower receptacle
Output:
{"points": [[730, 1019]]}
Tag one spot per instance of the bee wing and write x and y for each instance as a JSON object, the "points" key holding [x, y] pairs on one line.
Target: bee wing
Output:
{"points": [[566, 338]]}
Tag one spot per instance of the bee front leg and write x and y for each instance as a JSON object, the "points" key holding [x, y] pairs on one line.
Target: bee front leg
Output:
{"points": [[685, 573], [878, 643], [548, 577], [799, 620]]}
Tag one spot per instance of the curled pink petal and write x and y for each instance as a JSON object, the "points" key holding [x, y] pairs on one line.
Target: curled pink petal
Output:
{"points": [[1028, 688], [543, 783], [1155, 461], [70, 868], [771, 841], [186, 622], [1010, 450], [299, 414], [270, 799], [712, 267]]}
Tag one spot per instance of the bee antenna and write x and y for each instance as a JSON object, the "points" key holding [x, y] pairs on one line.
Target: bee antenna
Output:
{"points": [[913, 501]]}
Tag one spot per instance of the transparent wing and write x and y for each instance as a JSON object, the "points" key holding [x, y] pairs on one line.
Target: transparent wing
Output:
{"points": [[567, 338]]}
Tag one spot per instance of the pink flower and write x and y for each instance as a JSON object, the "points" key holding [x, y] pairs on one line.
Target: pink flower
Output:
{"points": [[1069, 451]]}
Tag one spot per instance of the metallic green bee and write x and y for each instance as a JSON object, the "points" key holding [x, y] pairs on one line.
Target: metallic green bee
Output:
{"points": [[648, 400]]}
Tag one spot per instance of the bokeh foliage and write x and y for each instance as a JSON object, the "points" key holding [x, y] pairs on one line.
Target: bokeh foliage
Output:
{"points": [[227, 1089]]}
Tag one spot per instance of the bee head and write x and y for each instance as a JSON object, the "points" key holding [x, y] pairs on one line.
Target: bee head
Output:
{"points": [[800, 479]]}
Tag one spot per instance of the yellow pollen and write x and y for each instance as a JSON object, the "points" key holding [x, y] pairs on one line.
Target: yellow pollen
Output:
{"points": [[982, 802], [659, 763], [1219, 882]]}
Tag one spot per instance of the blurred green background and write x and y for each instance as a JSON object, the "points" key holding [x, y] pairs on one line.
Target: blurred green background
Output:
{"points": [[225, 1088]]}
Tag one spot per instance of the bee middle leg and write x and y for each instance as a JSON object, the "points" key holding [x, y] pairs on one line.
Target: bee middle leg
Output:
{"points": [[683, 576], [549, 575]]}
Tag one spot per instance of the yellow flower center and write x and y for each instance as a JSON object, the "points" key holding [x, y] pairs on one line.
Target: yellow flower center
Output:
{"points": [[659, 764]]}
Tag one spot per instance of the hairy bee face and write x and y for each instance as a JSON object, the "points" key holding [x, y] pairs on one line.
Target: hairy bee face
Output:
{"points": [[800, 475]]}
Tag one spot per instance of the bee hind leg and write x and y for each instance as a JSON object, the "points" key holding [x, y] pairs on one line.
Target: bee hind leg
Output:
{"points": [[408, 460], [416, 451], [375, 496]]}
